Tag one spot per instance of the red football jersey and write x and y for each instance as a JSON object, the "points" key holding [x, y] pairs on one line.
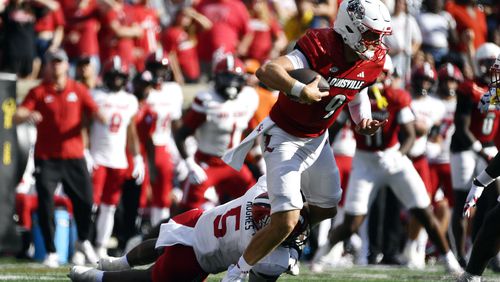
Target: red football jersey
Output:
{"points": [[386, 137], [324, 50], [484, 126]]}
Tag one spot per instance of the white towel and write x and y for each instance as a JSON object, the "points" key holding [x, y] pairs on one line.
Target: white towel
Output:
{"points": [[236, 156], [172, 233]]}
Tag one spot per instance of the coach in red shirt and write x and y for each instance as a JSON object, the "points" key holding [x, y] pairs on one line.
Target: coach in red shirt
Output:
{"points": [[56, 106]]}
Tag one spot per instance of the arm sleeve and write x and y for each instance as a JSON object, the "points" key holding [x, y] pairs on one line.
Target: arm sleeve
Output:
{"points": [[360, 107], [298, 59]]}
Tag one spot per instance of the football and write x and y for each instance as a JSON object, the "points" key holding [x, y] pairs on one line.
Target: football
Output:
{"points": [[307, 75]]}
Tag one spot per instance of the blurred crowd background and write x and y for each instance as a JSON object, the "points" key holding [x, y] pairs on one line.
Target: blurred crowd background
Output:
{"points": [[190, 34]]}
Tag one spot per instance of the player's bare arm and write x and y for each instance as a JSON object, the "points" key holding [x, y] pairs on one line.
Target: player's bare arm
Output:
{"points": [[408, 132], [275, 75]]}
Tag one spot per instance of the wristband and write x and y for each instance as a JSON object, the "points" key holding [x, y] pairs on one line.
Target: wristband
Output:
{"points": [[477, 147], [297, 88]]}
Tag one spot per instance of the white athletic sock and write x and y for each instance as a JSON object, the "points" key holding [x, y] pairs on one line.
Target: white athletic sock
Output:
{"points": [[105, 222], [159, 214], [243, 265]]}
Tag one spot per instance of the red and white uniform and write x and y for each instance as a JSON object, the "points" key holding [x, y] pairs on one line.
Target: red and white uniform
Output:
{"points": [[428, 112], [295, 152], [216, 238], [378, 162], [465, 163], [438, 154], [108, 143], [164, 106], [218, 125]]}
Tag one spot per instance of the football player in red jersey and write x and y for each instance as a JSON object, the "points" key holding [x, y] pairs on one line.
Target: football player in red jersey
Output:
{"points": [[487, 243], [350, 56], [381, 160], [472, 144]]}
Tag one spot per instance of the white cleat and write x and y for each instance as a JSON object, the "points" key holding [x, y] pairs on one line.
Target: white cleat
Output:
{"points": [[111, 264], [101, 252], [83, 274], [88, 251], [467, 277], [51, 260], [452, 266]]}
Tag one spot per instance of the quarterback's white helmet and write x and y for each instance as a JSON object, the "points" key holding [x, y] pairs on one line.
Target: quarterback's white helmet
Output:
{"points": [[362, 24], [485, 57]]}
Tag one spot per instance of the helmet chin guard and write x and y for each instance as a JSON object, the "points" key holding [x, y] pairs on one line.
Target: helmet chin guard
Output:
{"points": [[362, 25]]}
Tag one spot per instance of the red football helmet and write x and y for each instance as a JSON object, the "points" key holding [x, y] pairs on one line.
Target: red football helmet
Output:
{"points": [[261, 211], [449, 71], [229, 76], [423, 79], [450, 77]]}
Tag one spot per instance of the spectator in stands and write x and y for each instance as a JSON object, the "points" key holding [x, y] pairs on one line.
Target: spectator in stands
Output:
{"points": [[230, 31], [56, 107], [119, 29], [405, 40], [181, 47], [147, 43], [437, 28], [80, 39], [268, 37], [18, 24], [50, 33], [471, 24]]}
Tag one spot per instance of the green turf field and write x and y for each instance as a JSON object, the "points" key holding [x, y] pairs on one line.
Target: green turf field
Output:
{"points": [[11, 270]]}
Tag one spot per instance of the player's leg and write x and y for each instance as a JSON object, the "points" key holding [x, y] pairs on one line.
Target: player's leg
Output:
{"points": [[142, 254], [106, 217], [361, 184], [486, 245], [163, 174], [462, 172], [410, 189]]}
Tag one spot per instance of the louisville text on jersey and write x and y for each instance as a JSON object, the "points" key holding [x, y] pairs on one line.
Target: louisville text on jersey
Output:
{"points": [[345, 83]]}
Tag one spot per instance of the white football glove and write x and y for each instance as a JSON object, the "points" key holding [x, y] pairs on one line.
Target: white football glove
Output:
{"points": [[89, 160], [197, 174], [234, 274], [471, 200], [489, 98], [392, 161], [139, 170]]}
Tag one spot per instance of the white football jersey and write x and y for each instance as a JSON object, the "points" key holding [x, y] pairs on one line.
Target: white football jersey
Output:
{"points": [[222, 233], [108, 140], [225, 119], [446, 130], [167, 104], [430, 111], [344, 143]]}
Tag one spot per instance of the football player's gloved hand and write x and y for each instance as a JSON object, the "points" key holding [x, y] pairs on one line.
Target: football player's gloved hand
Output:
{"points": [[197, 174], [89, 160], [235, 274], [391, 160], [139, 170], [471, 200], [489, 98]]}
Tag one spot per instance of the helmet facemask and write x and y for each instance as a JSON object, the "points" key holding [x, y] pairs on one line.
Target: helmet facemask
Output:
{"points": [[229, 84]]}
